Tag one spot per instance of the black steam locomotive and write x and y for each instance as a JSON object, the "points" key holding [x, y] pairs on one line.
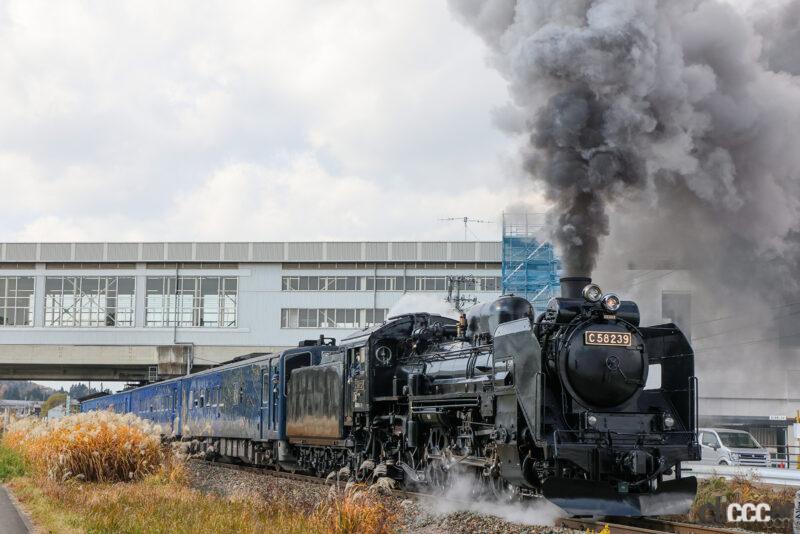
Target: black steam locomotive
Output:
{"points": [[557, 406]]}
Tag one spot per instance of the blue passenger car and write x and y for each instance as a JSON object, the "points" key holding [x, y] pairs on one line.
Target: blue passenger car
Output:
{"points": [[118, 402], [157, 403], [224, 401], [236, 410]]}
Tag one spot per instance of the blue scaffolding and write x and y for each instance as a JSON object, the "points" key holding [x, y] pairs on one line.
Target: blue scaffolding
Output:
{"points": [[530, 266]]}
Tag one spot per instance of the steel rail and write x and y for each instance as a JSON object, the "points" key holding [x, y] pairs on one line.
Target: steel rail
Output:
{"points": [[639, 525]]}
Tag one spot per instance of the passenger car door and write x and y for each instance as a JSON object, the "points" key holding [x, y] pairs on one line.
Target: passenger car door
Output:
{"points": [[266, 386]]}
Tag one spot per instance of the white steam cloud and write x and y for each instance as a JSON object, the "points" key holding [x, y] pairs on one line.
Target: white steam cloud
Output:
{"points": [[459, 497], [418, 303]]}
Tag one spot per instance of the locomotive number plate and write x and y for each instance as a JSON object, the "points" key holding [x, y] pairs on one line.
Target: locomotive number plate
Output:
{"points": [[614, 339]]}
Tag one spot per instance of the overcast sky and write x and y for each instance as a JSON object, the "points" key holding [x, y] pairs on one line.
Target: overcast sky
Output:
{"points": [[270, 120], [275, 120]]}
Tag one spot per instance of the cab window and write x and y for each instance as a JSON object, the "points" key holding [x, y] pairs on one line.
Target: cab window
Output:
{"points": [[357, 359]]}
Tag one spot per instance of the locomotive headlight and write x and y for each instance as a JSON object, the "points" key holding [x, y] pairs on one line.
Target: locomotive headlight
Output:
{"points": [[669, 422], [592, 293], [592, 421], [611, 302]]}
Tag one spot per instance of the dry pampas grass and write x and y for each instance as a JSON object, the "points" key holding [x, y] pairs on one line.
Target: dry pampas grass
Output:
{"points": [[94, 446]]}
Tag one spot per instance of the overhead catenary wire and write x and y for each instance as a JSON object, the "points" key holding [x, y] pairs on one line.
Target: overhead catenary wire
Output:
{"points": [[788, 304], [640, 280], [740, 327], [749, 342]]}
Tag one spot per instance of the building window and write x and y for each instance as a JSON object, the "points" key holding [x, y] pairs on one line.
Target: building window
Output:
{"points": [[16, 301], [89, 301], [487, 283], [430, 283], [383, 283], [322, 283], [331, 317], [388, 283], [208, 301]]}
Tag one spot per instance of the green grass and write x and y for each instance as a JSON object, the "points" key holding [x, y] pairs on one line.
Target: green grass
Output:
{"points": [[11, 464]]}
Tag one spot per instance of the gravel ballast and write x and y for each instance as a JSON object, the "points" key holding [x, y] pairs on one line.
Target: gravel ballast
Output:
{"points": [[428, 516]]}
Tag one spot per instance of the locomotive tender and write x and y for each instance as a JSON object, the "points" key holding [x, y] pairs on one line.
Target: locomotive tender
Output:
{"points": [[558, 405]]}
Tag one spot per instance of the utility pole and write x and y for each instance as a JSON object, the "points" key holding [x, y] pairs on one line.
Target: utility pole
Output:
{"points": [[454, 284]]}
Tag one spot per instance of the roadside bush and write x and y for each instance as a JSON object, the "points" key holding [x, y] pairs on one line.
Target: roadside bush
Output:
{"points": [[94, 446], [12, 464]]}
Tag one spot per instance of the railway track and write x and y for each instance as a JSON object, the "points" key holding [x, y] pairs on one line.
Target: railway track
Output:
{"points": [[638, 525], [617, 525]]}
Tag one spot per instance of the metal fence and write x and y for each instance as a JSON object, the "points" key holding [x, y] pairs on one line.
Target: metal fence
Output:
{"points": [[784, 456]]}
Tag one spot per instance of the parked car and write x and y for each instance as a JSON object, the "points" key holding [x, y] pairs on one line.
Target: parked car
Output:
{"points": [[723, 446]]}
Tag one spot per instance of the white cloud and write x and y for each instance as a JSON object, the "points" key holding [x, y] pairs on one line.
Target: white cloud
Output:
{"points": [[246, 120], [297, 197]]}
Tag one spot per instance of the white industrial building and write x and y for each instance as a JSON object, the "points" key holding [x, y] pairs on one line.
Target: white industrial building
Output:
{"points": [[129, 311]]}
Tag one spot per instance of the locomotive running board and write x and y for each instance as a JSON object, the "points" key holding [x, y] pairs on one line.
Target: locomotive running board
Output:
{"points": [[587, 498]]}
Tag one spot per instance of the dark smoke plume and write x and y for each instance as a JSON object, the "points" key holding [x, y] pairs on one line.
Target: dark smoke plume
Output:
{"points": [[658, 126]]}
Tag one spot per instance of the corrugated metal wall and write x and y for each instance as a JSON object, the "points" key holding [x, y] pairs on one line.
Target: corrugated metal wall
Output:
{"points": [[311, 251]]}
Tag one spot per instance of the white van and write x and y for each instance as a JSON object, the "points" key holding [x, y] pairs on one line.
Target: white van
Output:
{"points": [[722, 446]]}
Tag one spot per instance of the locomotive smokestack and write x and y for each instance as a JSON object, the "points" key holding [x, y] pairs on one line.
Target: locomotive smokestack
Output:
{"points": [[572, 286]]}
